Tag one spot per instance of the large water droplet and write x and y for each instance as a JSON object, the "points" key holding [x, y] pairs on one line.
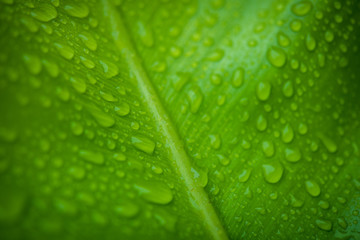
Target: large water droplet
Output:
{"points": [[324, 224], [273, 172], [302, 8], [44, 12], [263, 91], [154, 192], [312, 188], [77, 9], [92, 157], [292, 154], [261, 123], [143, 144], [276, 56], [268, 148]]}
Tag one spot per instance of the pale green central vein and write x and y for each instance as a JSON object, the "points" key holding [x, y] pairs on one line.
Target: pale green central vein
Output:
{"points": [[180, 159]]}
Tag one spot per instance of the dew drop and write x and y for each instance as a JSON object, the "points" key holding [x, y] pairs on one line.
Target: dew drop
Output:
{"points": [[32, 63], [283, 39], [263, 91], [88, 40], [310, 42], [109, 68], [87, 62], [273, 172], [108, 96], [312, 188], [287, 134], [215, 141], [44, 12], [102, 118], [64, 50], [238, 77], [51, 67], [127, 209], [216, 56], [292, 154], [244, 175], [154, 192], [145, 33], [76, 9], [302, 8], [288, 89], [324, 224], [92, 157], [268, 148], [261, 123], [328, 143], [276, 56], [195, 98], [143, 144], [78, 84], [122, 109]]}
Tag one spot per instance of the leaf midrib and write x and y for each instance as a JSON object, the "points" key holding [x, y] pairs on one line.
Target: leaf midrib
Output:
{"points": [[178, 156]]}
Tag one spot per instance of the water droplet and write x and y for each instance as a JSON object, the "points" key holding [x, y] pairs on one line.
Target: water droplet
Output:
{"points": [[273, 172], [342, 222], [216, 79], [244, 175], [64, 50], [324, 224], [167, 220], [92, 157], [127, 209], [261, 123], [32, 63], [77, 128], [310, 42], [329, 36], [109, 68], [292, 154], [77, 173], [296, 25], [287, 134], [263, 91], [88, 40], [283, 39], [143, 144], [238, 77], [108, 96], [303, 128], [215, 56], [122, 109], [195, 98], [65, 207], [44, 12], [102, 118], [215, 141], [268, 148], [78, 84], [276, 56], [87, 62], [288, 89], [302, 8], [312, 188], [154, 192], [51, 67], [76, 9], [145, 33], [328, 143], [324, 204]]}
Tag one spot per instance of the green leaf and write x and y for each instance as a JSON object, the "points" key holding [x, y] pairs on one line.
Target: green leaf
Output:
{"points": [[179, 119]]}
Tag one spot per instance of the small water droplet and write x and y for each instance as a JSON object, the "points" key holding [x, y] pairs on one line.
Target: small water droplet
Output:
{"points": [[122, 109], [88, 40], [145, 33], [310, 42], [328, 143], [195, 98], [102, 118], [109, 68], [108, 96], [244, 175], [32, 63], [216, 55], [283, 39], [127, 209], [215, 141], [78, 84], [288, 89]]}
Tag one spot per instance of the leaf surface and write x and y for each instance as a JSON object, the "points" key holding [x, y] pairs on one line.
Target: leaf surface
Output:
{"points": [[179, 119]]}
